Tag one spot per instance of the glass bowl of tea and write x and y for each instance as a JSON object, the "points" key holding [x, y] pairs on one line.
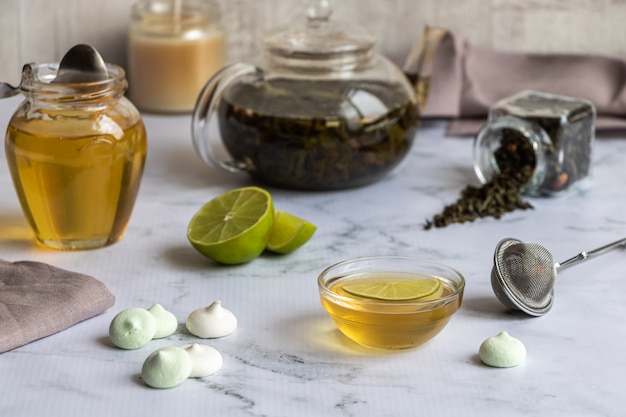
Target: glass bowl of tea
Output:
{"points": [[390, 302]]}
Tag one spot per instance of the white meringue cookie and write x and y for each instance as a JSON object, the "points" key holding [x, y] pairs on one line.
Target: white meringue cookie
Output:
{"points": [[166, 367], [211, 322], [205, 360], [166, 322], [502, 351]]}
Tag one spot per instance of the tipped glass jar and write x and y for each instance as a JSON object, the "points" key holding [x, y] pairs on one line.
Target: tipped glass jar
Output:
{"points": [[76, 153], [319, 110], [544, 140]]}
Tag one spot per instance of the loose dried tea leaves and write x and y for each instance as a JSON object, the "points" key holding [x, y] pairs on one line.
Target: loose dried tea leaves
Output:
{"points": [[502, 194], [498, 196], [566, 153], [570, 125]]}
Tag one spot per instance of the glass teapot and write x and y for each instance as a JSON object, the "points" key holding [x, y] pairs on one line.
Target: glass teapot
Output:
{"points": [[319, 110]]}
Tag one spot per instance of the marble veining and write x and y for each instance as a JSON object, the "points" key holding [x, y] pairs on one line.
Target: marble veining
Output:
{"points": [[286, 358]]}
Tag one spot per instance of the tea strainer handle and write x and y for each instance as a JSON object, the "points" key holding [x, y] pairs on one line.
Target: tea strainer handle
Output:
{"points": [[589, 254]]}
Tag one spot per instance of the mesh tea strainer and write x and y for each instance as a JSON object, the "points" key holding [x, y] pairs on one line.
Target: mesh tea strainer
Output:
{"points": [[523, 274]]}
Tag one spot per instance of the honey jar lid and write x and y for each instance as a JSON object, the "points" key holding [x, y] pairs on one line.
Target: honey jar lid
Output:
{"points": [[320, 39]]}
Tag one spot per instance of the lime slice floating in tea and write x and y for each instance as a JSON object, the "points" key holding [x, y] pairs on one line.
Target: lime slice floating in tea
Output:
{"points": [[404, 290], [234, 227], [289, 233]]}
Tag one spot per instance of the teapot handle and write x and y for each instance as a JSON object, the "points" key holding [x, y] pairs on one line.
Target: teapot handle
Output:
{"points": [[205, 140]]}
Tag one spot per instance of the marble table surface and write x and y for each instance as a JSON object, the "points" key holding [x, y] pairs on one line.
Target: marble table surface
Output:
{"points": [[286, 357]]}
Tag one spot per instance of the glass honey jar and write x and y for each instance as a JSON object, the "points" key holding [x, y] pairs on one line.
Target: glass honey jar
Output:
{"points": [[76, 153]]}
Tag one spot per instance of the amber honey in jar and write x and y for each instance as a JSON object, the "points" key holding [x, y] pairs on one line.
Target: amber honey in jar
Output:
{"points": [[76, 154]]}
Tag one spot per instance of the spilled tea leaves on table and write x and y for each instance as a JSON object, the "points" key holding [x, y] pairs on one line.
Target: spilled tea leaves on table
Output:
{"points": [[501, 194]]}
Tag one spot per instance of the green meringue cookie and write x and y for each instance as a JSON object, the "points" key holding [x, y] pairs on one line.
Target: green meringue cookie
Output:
{"points": [[132, 328], [502, 351], [166, 367], [166, 322]]}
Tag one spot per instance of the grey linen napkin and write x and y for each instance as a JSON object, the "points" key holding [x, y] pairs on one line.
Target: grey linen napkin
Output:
{"points": [[466, 79], [38, 300]]}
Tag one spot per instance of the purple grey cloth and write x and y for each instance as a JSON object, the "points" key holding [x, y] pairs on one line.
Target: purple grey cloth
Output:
{"points": [[38, 300], [466, 80]]}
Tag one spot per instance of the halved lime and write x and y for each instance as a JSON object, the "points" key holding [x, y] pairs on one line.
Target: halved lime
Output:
{"points": [[289, 232], [234, 227], [403, 290]]}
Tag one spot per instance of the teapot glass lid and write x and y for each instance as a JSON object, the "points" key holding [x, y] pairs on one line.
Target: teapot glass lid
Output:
{"points": [[319, 37]]}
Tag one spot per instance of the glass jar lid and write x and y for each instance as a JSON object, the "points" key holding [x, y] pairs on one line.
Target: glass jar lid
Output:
{"points": [[320, 42]]}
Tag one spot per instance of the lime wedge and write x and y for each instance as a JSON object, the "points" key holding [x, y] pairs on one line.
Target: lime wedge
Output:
{"points": [[404, 290], [234, 227], [289, 232]]}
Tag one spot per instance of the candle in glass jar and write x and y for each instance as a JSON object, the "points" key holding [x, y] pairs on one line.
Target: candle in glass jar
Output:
{"points": [[175, 46]]}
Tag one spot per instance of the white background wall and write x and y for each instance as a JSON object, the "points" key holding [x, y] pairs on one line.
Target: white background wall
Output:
{"points": [[42, 30]]}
